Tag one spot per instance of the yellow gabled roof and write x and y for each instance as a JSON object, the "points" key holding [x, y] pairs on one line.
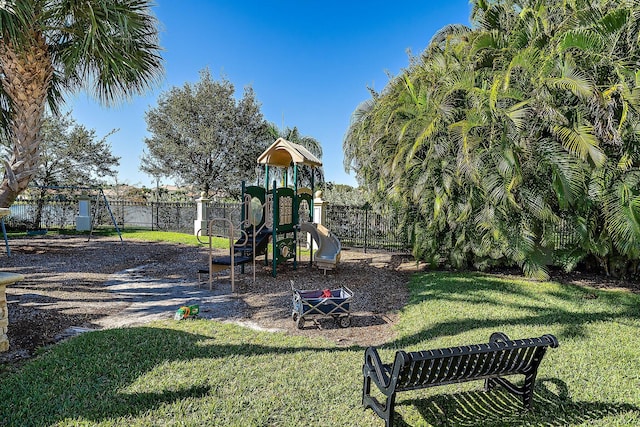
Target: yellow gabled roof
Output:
{"points": [[283, 153]]}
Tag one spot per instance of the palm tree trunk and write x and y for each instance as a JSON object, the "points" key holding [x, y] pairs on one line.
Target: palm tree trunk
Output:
{"points": [[25, 75]]}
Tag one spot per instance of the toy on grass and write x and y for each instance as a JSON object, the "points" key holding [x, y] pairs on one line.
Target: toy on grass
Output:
{"points": [[187, 311]]}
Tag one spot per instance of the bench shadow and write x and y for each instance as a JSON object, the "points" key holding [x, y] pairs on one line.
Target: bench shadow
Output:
{"points": [[500, 408]]}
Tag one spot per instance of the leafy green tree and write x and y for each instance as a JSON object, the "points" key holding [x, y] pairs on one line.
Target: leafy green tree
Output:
{"points": [[202, 136], [71, 155], [516, 139], [342, 194], [49, 49]]}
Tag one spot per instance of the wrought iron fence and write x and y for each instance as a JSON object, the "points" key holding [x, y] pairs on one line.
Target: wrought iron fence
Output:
{"points": [[362, 227], [53, 214], [227, 210], [353, 226], [62, 213]]}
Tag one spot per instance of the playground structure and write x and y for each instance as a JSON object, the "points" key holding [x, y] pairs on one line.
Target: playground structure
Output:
{"points": [[270, 221]]}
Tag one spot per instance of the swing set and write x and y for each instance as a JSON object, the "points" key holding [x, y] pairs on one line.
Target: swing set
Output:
{"points": [[95, 192]]}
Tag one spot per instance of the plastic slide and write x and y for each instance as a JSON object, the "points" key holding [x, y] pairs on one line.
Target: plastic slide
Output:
{"points": [[328, 253]]}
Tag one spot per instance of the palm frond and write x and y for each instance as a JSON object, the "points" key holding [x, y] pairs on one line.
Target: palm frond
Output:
{"points": [[486, 40], [583, 39], [613, 21], [575, 81], [581, 142], [534, 268], [114, 48], [526, 59], [519, 113]]}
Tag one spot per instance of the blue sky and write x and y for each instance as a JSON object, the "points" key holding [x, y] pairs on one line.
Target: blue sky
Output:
{"points": [[309, 63]]}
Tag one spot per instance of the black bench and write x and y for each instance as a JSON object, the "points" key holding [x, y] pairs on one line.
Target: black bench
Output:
{"points": [[422, 369]]}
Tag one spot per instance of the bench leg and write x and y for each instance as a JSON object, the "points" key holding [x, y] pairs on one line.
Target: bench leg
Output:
{"points": [[389, 409], [366, 390], [384, 411], [525, 392]]}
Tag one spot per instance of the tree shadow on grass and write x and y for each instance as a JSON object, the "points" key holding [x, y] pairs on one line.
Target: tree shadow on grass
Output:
{"points": [[552, 408], [477, 288], [88, 378]]}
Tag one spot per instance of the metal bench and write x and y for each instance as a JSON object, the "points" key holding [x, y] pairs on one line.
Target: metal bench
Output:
{"points": [[490, 362]]}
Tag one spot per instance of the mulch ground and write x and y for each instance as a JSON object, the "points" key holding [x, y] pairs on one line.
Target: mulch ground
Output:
{"points": [[66, 281], [67, 277]]}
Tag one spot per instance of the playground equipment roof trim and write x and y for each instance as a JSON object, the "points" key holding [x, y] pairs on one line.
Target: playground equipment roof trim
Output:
{"points": [[283, 153]]}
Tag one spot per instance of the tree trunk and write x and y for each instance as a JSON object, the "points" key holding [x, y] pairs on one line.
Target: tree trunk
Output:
{"points": [[37, 222], [25, 75]]}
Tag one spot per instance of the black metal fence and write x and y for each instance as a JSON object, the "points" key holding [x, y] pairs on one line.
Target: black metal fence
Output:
{"points": [[362, 227], [62, 214], [354, 226]]}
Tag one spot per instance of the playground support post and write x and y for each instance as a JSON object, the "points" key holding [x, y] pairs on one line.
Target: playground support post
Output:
{"points": [[274, 229], [296, 214], [243, 218], [311, 214]]}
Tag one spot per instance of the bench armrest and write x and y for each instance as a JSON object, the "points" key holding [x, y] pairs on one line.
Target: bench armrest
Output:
{"points": [[373, 363], [499, 337], [553, 341], [385, 376]]}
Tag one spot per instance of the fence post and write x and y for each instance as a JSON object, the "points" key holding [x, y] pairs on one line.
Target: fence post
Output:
{"points": [[202, 216], [319, 214], [366, 226], [178, 215]]}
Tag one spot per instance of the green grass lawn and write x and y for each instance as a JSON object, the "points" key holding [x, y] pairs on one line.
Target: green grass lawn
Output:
{"points": [[210, 373], [172, 237], [144, 235], [141, 234]]}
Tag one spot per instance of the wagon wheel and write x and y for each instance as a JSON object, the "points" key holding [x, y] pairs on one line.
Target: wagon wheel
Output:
{"points": [[299, 321], [294, 316], [344, 321]]}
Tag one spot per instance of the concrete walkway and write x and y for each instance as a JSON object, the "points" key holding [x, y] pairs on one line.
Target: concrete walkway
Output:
{"points": [[155, 299]]}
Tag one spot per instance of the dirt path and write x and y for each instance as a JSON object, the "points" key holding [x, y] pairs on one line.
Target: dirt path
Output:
{"points": [[152, 299]]}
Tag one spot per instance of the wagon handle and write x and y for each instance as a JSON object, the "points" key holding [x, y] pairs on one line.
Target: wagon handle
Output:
{"points": [[348, 290]]}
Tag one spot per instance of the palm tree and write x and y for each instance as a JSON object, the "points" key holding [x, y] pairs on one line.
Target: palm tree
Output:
{"points": [[515, 139], [49, 49]]}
